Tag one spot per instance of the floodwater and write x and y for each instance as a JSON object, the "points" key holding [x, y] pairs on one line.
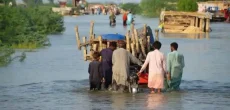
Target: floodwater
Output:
{"points": [[55, 77]]}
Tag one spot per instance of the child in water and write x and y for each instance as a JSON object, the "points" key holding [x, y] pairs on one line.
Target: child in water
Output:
{"points": [[95, 72], [161, 26]]}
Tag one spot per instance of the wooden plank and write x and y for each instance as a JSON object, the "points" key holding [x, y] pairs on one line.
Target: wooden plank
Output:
{"points": [[174, 27], [173, 31], [176, 13]]}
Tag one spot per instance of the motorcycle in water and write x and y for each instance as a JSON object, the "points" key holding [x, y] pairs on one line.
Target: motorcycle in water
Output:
{"points": [[133, 79]]}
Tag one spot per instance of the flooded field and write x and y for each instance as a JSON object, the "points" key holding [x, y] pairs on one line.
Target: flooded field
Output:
{"points": [[56, 78]]}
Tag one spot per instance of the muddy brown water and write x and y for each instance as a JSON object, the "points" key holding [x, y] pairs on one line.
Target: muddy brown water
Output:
{"points": [[55, 77]]}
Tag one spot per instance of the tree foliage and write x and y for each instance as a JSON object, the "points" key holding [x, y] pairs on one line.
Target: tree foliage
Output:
{"points": [[135, 8], [152, 8], [187, 5], [26, 28]]}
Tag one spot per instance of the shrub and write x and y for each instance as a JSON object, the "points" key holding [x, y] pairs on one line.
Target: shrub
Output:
{"points": [[26, 28], [26, 25]]}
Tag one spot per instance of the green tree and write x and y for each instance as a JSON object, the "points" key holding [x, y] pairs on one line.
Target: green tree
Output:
{"points": [[187, 5], [152, 8], [135, 8]]}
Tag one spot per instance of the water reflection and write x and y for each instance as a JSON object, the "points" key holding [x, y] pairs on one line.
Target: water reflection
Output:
{"points": [[155, 101], [118, 101], [189, 36]]}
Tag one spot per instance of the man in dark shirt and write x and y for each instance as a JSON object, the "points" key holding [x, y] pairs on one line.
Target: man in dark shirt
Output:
{"points": [[95, 72], [106, 61]]}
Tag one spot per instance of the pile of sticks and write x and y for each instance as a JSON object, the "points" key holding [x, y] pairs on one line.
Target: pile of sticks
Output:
{"points": [[138, 43]]}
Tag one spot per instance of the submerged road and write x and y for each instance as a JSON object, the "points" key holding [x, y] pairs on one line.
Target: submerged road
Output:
{"points": [[55, 77]]}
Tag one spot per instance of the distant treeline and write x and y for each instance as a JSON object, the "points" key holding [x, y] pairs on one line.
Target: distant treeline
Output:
{"points": [[26, 28], [152, 8]]}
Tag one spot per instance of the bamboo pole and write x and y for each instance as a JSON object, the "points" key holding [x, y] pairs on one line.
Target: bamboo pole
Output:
{"points": [[148, 43], [127, 42], [131, 28], [145, 29], [100, 43], [137, 42], [207, 25], [77, 38], [91, 30], [133, 49], [85, 49], [157, 34], [142, 47], [132, 34]]}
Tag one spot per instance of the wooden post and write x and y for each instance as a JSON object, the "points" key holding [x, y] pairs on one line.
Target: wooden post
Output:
{"points": [[95, 47], [197, 21], [77, 38], [133, 49], [142, 47], [192, 22], [91, 29], [157, 34], [132, 34], [127, 42], [137, 42], [100, 43], [148, 44], [207, 25], [108, 43], [201, 24], [145, 29], [85, 49]]}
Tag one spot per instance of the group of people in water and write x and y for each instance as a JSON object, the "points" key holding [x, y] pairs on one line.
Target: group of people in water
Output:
{"points": [[127, 18], [104, 10], [111, 67]]}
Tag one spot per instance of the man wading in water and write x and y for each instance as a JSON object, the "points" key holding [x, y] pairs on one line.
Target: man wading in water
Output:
{"points": [[106, 61], [175, 65], [121, 63]]}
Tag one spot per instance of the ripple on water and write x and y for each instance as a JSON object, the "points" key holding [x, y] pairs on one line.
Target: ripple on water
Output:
{"points": [[75, 94]]}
